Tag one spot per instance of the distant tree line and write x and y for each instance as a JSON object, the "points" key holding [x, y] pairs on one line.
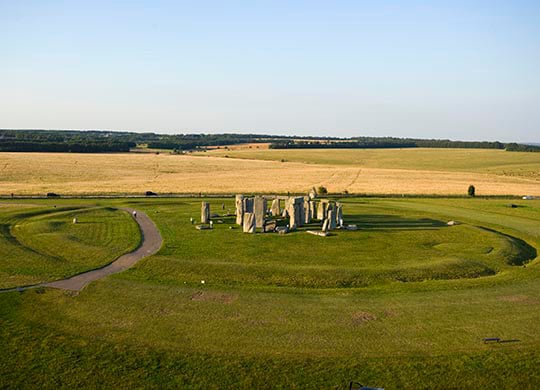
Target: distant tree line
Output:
{"points": [[194, 141], [513, 147], [384, 143], [97, 141], [73, 147], [372, 144], [60, 141], [94, 141]]}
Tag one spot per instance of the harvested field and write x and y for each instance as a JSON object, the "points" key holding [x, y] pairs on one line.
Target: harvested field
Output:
{"points": [[247, 146], [39, 173], [492, 161]]}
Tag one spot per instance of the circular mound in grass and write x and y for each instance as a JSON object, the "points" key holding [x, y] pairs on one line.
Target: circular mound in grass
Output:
{"points": [[44, 244], [389, 246]]}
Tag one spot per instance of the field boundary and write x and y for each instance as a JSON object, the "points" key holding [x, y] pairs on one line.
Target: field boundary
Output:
{"points": [[232, 195]]}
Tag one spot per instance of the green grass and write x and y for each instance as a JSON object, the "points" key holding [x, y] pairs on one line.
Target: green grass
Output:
{"points": [[41, 243], [520, 164], [389, 246], [157, 326]]}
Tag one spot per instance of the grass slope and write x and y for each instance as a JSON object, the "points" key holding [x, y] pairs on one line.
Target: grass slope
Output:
{"points": [[42, 244], [143, 328], [390, 246]]}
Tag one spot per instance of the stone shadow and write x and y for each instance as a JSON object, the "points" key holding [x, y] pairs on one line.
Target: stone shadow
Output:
{"points": [[392, 222]]}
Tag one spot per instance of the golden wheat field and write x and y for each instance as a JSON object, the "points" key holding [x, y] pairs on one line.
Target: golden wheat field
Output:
{"points": [[39, 173]]}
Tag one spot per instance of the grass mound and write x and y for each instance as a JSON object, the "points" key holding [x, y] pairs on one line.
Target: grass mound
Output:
{"points": [[389, 246], [157, 326], [43, 244]]}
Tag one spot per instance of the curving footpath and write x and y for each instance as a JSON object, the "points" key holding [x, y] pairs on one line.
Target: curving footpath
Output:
{"points": [[150, 243]]}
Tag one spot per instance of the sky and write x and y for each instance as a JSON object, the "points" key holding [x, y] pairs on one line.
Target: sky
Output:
{"points": [[467, 70]]}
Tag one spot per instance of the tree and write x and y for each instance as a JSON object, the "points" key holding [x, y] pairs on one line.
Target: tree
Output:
{"points": [[471, 191], [322, 190]]}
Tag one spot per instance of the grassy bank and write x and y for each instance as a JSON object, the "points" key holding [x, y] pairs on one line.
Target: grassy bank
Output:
{"points": [[156, 325]]}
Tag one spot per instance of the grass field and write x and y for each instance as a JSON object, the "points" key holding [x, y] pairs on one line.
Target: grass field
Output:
{"points": [[403, 302], [404, 171], [41, 243], [500, 162]]}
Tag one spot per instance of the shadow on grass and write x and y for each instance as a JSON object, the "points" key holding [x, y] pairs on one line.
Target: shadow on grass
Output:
{"points": [[375, 222], [394, 222], [526, 252]]}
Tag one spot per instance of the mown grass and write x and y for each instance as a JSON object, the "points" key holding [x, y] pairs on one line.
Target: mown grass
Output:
{"points": [[41, 243], [389, 246], [141, 328]]}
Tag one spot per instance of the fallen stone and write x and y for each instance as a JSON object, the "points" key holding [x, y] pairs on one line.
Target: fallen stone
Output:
{"points": [[282, 229], [318, 233], [269, 226]]}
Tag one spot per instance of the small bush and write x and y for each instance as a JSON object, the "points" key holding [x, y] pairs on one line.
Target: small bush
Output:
{"points": [[471, 191]]}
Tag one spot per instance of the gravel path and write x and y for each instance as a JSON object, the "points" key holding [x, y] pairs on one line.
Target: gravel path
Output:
{"points": [[151, 242]]}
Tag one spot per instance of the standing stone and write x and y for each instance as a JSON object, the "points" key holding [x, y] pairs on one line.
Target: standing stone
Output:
{"points": [[292, 215], [307, 210], [325, 226], [312, 193], [339, 214], [276, 208], [285, 212], [248, 205], [239, 202], [249, 223], [301, 210], [332, 219], [322, 209], [295, 209], [259, 208], [205, 212]]}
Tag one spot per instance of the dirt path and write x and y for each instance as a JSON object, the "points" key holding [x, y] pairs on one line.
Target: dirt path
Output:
{"points": [[151, 242]]}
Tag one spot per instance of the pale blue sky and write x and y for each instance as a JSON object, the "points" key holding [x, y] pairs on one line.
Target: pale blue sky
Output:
{"points": [[429, 69]]}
